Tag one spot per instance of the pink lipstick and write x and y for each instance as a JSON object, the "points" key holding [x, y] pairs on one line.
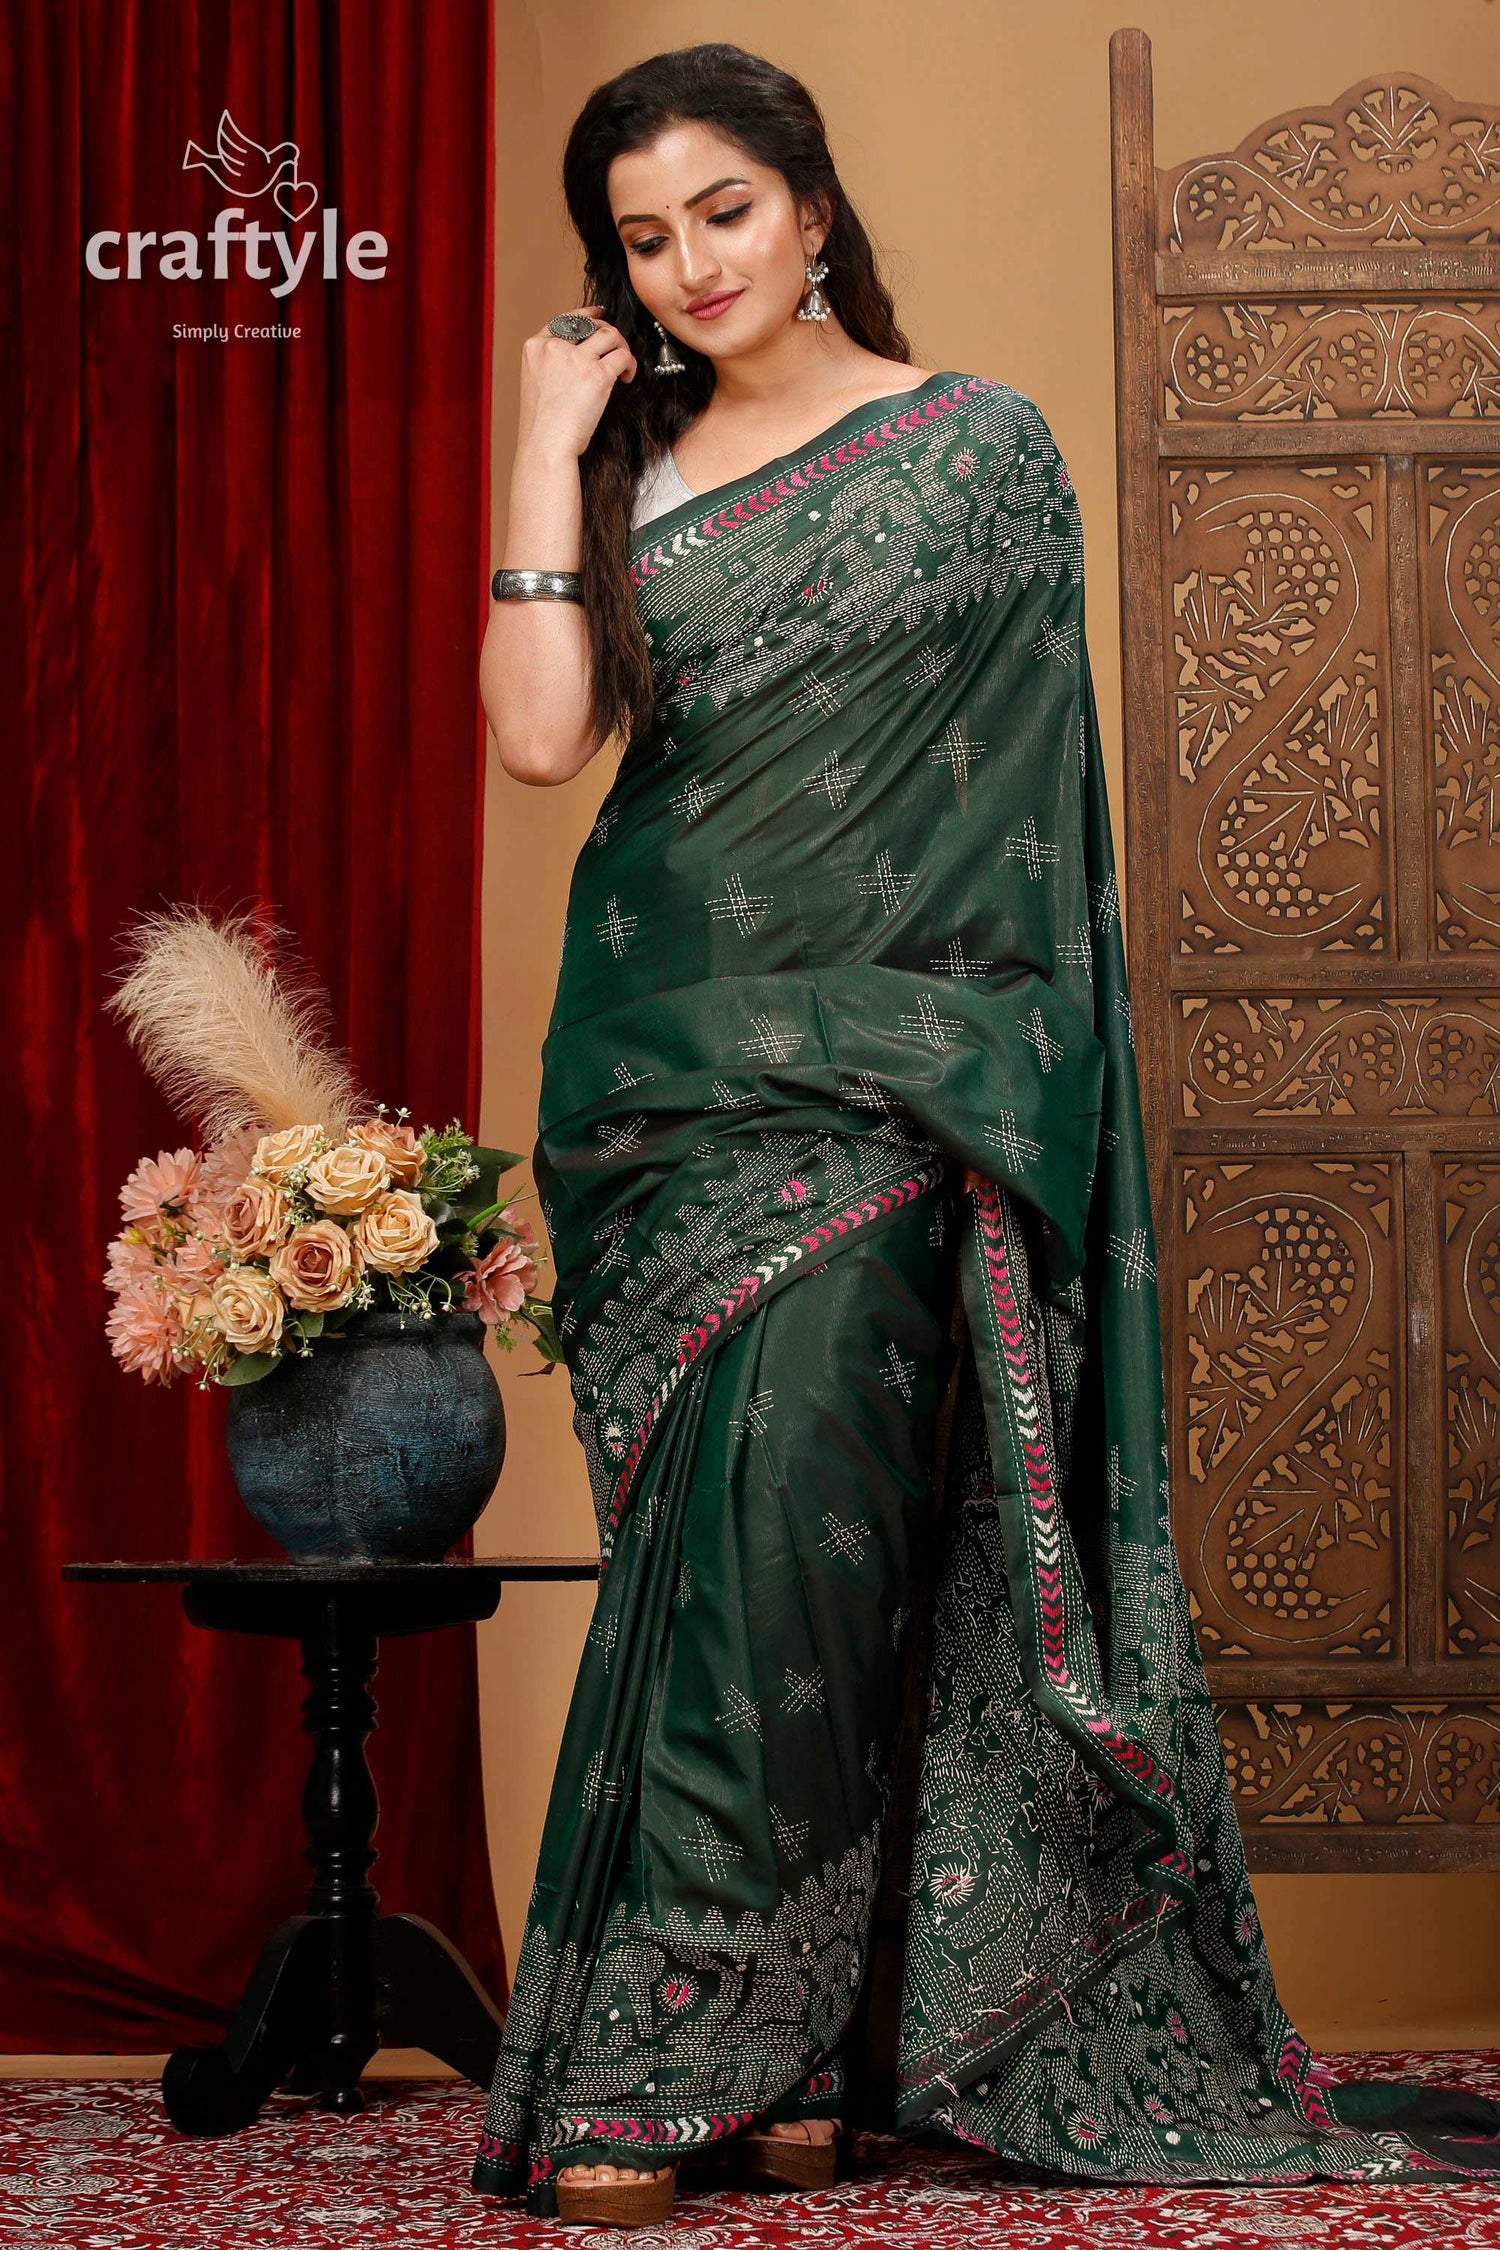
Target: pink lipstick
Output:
{"points": [[709, 308]]}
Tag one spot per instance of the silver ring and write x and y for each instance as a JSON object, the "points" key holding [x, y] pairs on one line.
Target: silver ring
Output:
{"points": [[572, 327]]}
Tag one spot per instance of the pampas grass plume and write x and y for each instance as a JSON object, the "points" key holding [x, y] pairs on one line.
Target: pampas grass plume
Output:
{"points": [[229, 1040]]}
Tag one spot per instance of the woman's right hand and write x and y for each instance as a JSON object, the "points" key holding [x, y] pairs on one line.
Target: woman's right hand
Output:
{"points": [[565, 387]]}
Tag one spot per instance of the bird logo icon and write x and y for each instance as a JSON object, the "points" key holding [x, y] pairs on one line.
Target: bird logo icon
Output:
{"points": [[242, 167]]}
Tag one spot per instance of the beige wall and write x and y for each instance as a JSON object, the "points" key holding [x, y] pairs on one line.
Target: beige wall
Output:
{"points": [[974, 134]]}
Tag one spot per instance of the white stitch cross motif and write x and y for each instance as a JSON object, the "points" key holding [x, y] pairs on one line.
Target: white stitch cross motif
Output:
{"points": [[1030, 847], [929, 1026], [758, 1411], [956, 962], [898, 1373], [1016, 1147], [864, 1091], [818, 695], [791, 1835], [1134, 1253], [1034, 1031], [716, 1852], [844, 1538], [835, 779], [1063, 645], [1077, 951], [804, 1691], [929, 668], [960, 753], [738, 906], [619, 1138], [739, 1715], [888, 882], [694, 798], [769, 1042], [617, 929]]}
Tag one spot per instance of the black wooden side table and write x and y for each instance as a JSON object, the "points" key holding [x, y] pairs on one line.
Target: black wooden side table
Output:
{"points": [[335, 1982]]}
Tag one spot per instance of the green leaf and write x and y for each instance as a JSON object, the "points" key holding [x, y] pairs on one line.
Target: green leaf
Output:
{"points": [[250, 1367], [482, 1191], [547, 1342], [309, 1324], [503, 1159]]}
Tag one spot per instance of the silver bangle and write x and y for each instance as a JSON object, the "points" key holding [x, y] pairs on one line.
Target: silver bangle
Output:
{"points": [[537, 586]]}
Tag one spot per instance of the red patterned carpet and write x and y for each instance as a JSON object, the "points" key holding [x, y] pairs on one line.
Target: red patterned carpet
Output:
{"points": [[95, 2163]]}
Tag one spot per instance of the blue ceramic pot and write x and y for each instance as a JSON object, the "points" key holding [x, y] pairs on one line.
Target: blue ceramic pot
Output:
{"points": [[385, 1442]]}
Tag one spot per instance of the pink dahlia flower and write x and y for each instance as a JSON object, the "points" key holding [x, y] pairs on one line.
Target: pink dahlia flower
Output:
{"points": [[127, 1260], [144, 1330], [498, 1284], [160, 1181]]}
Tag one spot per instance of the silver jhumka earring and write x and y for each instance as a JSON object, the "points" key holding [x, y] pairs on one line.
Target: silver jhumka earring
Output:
{"points": [[667, 362], [815, 305]]}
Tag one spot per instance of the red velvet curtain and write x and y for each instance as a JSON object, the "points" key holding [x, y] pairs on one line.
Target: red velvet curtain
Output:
{"points": [[242, 605]]}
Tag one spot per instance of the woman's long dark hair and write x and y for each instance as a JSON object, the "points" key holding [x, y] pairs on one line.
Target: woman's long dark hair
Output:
{"points": [[774, 119]]}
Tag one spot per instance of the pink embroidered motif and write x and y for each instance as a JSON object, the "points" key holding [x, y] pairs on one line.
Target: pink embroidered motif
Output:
{"points": [[1295, 2065], [789, 487]]}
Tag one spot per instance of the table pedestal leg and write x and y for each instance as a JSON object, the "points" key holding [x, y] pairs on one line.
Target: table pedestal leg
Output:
{"points": [[310, 2005], [427, 1996], [339, 1811]]}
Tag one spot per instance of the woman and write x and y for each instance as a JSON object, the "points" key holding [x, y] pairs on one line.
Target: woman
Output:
{"points": [[842, 1027]]}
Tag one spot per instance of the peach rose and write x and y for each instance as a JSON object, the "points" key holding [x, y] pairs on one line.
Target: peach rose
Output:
{"points": [[395, 1234], [247, 1309], [278, 1155], [499, 1283], [256, 1218], [317, 1267], [398, 1144], [348, 1178]]}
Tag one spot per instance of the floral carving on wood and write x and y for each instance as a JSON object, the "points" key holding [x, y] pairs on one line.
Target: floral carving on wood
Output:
{"points": [[1349, 1055], [1468, 1201], [1278, 693], [1275, 361], [1462, 567], [1286, 1364], [1385, 1765], [1392, 161]]}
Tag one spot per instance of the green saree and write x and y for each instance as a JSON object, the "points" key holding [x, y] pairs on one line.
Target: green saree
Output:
{"points": [[847, 924]]}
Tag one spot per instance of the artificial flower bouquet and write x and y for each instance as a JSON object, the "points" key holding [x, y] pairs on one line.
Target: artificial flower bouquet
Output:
{"points": [[287, 1225], [229, 1259]]}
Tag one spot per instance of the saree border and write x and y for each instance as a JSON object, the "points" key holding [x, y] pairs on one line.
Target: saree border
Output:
{"points": [[1057, 1636], [790, 484], [985, 2041], [744, 1297]]}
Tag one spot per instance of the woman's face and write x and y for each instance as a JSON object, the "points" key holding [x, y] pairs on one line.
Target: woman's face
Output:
{"points": [[715, 244]]}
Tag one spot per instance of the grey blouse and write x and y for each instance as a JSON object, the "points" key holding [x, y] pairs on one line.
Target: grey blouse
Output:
{"points": [[661, 487]]}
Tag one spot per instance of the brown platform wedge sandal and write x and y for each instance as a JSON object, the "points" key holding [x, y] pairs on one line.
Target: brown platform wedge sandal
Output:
{"points": [[639, 2202], [779, 2159]]}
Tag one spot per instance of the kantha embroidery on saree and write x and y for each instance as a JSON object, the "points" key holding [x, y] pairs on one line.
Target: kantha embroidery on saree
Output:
{"points": [[847, 927]]}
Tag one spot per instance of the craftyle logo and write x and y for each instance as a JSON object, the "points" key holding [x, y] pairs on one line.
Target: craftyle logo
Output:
{"points": [[245, 169], [242, 167]]}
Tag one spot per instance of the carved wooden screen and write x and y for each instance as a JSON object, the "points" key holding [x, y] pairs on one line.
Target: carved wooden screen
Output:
{"points": [[1308, 345]]}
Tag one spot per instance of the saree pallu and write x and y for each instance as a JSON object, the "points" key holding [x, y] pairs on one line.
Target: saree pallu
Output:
{"points": [[847, 925]]}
